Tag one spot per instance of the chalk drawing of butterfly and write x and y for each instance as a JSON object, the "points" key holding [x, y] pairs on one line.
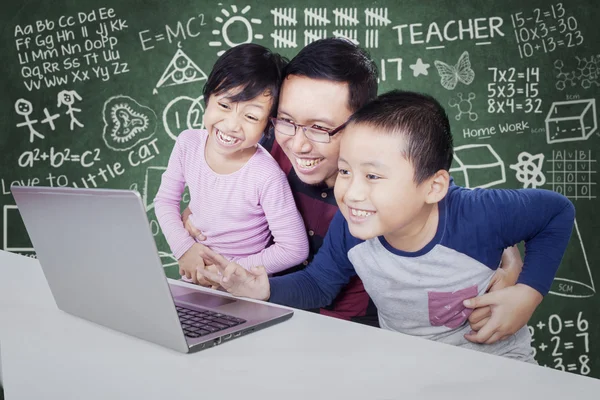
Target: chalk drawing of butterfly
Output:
{"points": [[451, 74]]}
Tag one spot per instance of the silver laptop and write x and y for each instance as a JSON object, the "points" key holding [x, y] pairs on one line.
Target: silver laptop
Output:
{"points": [[97, 252]]}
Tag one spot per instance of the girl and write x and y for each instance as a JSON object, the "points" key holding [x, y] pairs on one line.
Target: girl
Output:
{"points": [[239, 197]]}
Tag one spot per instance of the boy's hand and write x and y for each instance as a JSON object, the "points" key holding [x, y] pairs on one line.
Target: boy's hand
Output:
{"points": [[511, 308], [192, 230], [191, 261], [505, 276], [235, 279]]}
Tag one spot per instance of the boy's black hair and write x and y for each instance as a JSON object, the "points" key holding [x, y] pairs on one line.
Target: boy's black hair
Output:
{"points": [[338, 60], [250, 66], [421, 120]]}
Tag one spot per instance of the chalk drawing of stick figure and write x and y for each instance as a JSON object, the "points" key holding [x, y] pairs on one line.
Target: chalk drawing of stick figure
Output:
{"points": [[25, 108], [67, 97]]}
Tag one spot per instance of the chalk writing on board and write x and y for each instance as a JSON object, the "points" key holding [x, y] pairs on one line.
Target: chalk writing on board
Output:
{"points": [[480, 30], [314, 17], [71, 49], [312, 35], [574, 279], [383, 68], [586, 73], [286, 38], [350, 34], [316, 21], [479, 133], [529, 170], [182, 113], [420, 68], [57, 158], [230, 18], [106, 172], [488, 131], [571, 120], [181, 70], [452, 74], [569, 344], [287, 17], [545, 30], [5, 185], [464, 106], [126, 123], [377, 17], [374, 17], [346, 16], [510, 84], [191, 29], [478, 166]]}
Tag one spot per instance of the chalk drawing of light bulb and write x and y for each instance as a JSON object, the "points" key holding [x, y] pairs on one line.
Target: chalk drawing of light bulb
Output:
{"points": [[236, 23]]}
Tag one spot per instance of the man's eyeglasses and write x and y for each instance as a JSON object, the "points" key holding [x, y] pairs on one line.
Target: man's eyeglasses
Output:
{"points": [[319, 135]]}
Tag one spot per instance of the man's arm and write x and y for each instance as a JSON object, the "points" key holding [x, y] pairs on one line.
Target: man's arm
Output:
{"points": [[321, 281]]}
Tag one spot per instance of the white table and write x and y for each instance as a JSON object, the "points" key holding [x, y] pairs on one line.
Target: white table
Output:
{"points": [[48, 354]]}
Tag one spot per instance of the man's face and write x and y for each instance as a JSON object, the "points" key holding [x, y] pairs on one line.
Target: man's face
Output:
{"points": [[319, 103]]}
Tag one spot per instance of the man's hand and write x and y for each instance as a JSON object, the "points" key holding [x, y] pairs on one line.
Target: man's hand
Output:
{"points": [[192, 230], [505, 276], [235, 279], [191, 261], [511, 309]]}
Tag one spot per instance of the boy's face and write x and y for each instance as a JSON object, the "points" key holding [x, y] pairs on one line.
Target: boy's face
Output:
{"points": [[374, 188], [236, 126], [309, 102]]}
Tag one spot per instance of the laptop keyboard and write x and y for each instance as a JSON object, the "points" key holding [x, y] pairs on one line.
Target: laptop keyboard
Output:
{"points": [[200, 323]]}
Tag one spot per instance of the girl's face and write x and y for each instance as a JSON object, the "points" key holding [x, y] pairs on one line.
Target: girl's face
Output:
{"points": [[234, 127]]}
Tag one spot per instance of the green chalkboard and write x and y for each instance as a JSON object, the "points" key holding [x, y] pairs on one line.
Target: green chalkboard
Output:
{"points": [[95, 92]]}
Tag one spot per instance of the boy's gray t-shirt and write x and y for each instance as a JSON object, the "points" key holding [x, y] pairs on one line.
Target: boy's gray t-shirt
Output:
{"points": [[421, 293]]}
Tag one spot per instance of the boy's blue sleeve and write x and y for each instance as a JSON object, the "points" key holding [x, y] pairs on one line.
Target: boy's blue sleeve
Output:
{"points": [[320, 282], [543, 219]]}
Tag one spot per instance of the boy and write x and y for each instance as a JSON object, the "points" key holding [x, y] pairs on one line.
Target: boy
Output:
{"points": [[420, 244]]}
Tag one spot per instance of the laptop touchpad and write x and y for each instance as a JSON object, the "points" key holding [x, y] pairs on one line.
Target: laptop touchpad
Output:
{"points": [[203, 300]]}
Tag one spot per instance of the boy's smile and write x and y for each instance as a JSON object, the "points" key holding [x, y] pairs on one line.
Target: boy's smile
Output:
{"points": [[376, 192]]}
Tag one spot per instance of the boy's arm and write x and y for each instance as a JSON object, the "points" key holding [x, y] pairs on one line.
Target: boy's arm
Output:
{"points": [[544, 220], [167, 203], [321, 281], [290, 245]]}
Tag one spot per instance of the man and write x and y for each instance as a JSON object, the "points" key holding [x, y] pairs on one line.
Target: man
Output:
{"points": [[325, 83]]}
